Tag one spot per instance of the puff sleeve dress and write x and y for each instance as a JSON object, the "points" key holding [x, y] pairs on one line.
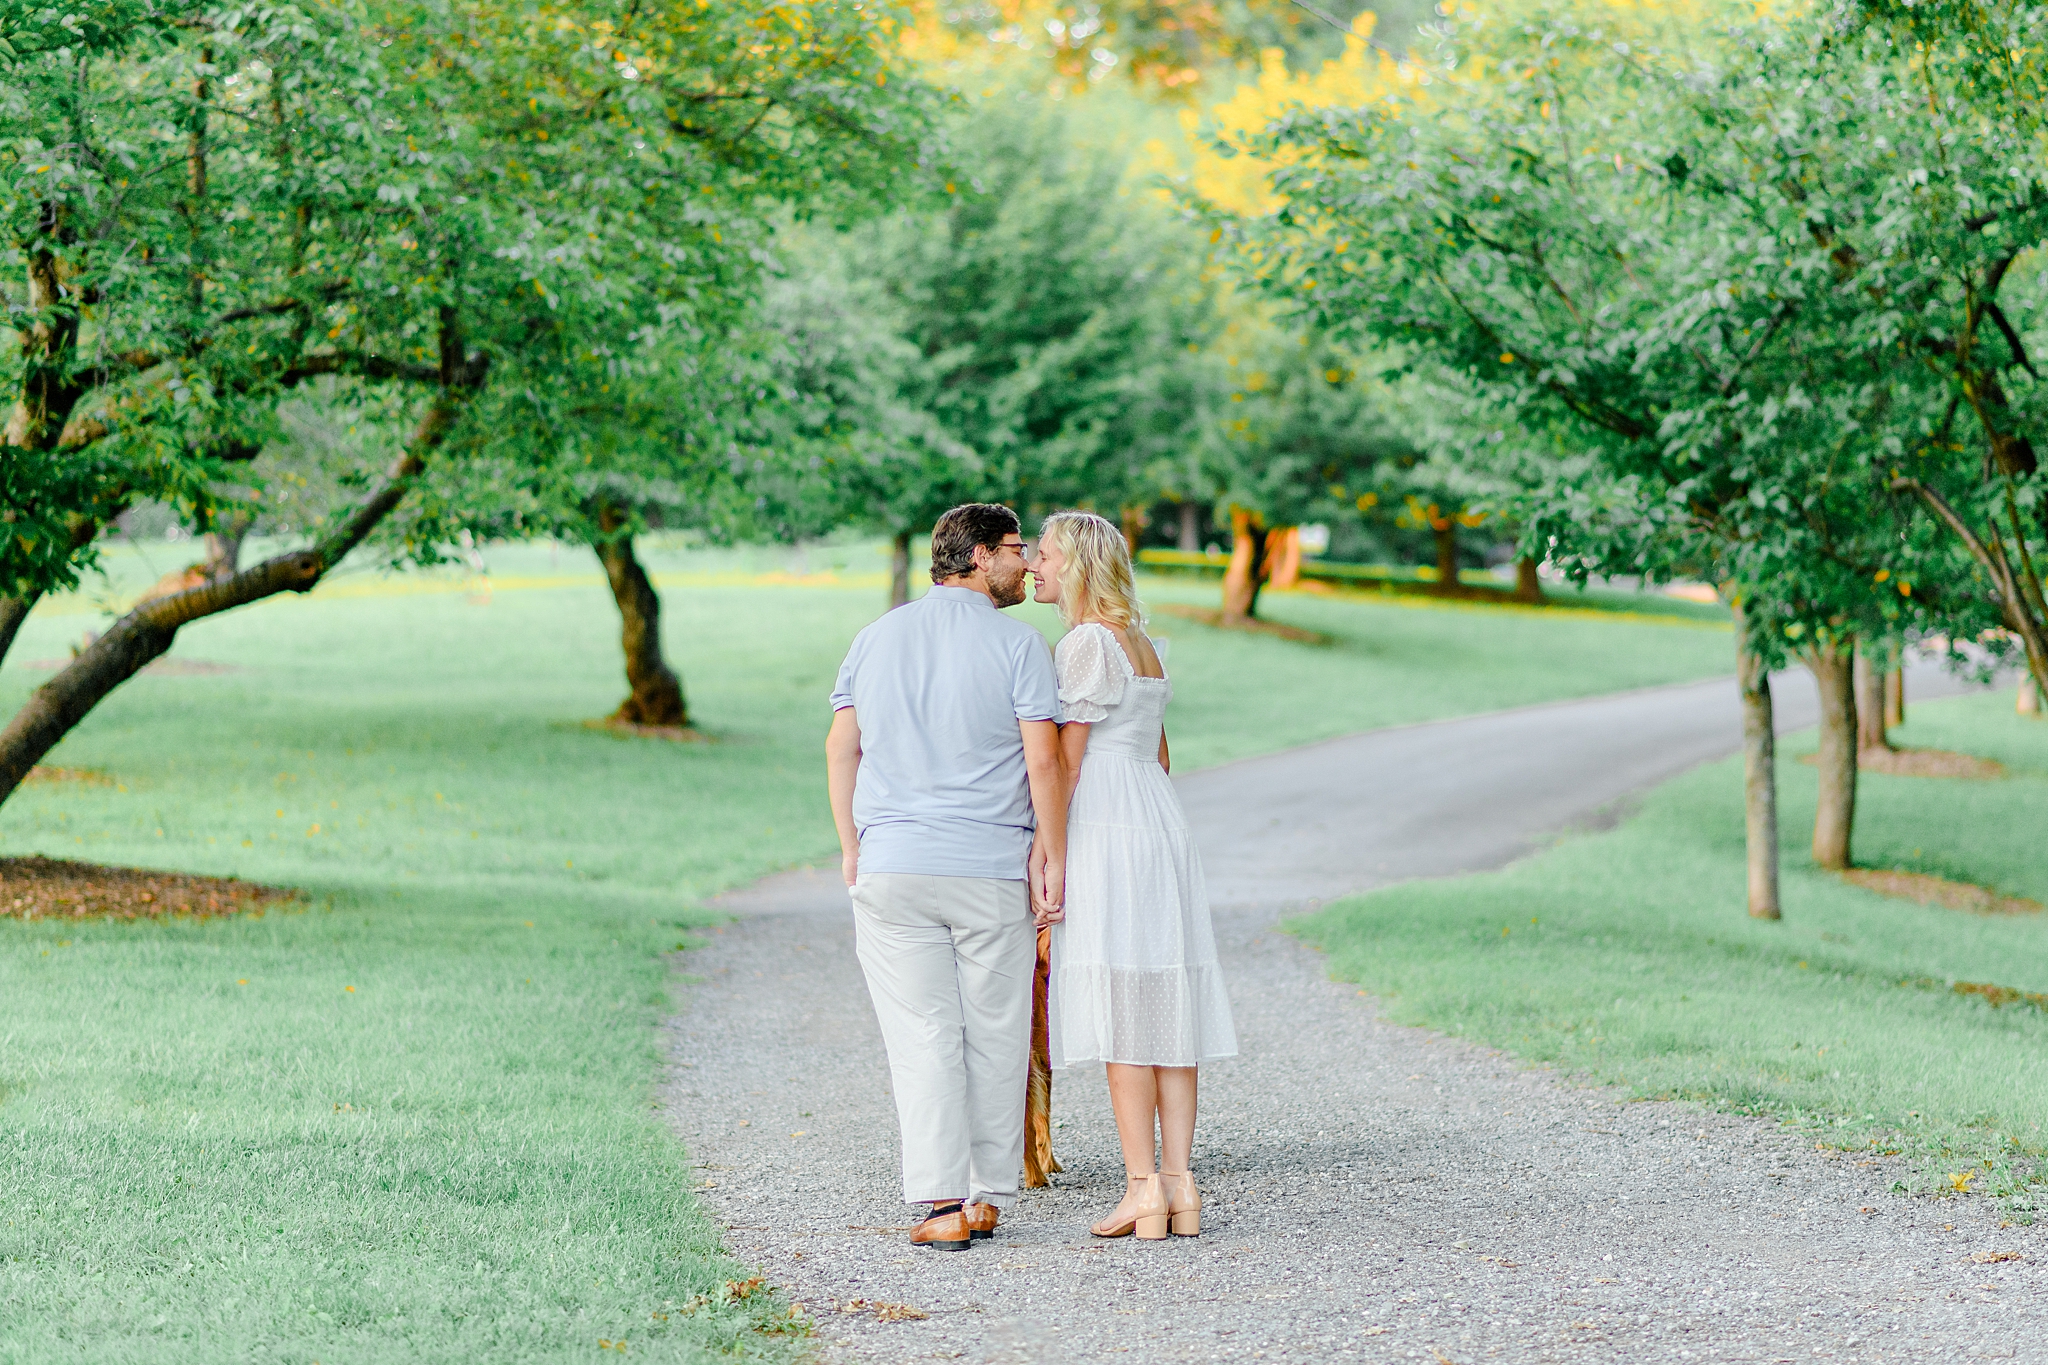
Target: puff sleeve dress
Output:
{"points": [[1134, 973]]}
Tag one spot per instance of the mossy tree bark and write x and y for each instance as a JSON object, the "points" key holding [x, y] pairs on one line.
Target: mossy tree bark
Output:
{"points": [[655, 693], [899, 569], [1834, 820], [1759, 775]]}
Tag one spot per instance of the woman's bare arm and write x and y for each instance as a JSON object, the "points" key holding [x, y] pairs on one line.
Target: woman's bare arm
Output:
{"points": [[1073, 748]]}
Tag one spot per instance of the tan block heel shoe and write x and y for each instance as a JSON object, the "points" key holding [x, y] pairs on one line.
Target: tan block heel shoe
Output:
{"points": [[1142, 1213], [1183, 1203]]}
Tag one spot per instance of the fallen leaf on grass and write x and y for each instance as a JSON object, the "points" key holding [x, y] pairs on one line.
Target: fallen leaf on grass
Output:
{"points": [[737, 1290], [1993, 1257], [1960, 1181]]}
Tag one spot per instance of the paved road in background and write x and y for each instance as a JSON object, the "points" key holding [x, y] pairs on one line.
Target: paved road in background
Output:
{"points": [[1375, 1192]]}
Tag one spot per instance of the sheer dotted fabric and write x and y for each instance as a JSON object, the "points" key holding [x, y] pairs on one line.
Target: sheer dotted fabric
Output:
{"points": [[1134, 974]]}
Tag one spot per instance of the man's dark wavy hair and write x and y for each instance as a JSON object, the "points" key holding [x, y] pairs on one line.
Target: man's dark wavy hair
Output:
{"points": [[964, 527]]}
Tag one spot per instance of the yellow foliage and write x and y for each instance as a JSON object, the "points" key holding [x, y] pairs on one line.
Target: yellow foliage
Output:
{"points": [[1242, 184]]}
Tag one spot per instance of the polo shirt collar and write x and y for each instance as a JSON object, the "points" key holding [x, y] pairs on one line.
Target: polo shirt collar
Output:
{"points": [[968, 595]]}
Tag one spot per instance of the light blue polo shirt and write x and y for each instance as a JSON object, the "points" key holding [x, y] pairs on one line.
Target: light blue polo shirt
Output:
{"points": [[938, 686]]}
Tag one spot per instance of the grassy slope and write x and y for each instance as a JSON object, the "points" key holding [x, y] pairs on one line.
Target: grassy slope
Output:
{"points": [[1627, 955], [459, 1157]]}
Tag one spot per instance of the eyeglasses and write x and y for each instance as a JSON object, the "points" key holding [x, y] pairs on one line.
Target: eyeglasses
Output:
{"points": [[1027, 548]]}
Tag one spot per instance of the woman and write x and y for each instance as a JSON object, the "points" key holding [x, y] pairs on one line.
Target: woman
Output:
{"points": [[1135, 983]]}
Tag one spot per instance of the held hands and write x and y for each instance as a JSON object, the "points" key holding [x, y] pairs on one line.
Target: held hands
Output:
{"points": [[1048, 875]]}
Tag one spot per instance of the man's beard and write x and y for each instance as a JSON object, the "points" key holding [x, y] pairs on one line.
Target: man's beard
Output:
{"points": [[1007, 591]]}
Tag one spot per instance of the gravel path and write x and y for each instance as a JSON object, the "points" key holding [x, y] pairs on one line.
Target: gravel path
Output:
{"points": [[1372, 1192]]}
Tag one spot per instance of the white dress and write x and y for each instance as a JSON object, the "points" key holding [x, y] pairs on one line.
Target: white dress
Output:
{"points": [[1134, 974]]}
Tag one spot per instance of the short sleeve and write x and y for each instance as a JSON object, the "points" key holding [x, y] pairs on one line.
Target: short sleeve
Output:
{"points": [[842, 689], [1093, 673], [1034, 692]]}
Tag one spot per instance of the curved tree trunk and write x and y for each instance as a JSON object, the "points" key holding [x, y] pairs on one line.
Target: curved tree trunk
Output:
{"points": [[899, 569], [84, 529], [1759, 776], [146, 632], [1528, 583], [1446, 529], [14, 611], [1870, 708], [1241, 582], [1834, 821], [656, 695]]}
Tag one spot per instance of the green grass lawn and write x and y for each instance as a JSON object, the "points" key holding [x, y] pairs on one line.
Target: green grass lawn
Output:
{"points": [[1628, 956], [416, 1119]]}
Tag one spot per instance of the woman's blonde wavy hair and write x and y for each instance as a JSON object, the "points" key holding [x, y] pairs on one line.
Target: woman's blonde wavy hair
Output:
{"points": [[1095, 577]]}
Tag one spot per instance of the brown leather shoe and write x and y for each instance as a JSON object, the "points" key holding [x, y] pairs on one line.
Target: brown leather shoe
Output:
{"points": [[946, 1231], [981, 1220]]}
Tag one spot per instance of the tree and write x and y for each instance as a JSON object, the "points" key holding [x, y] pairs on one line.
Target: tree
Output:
{"points": [[1535, 236], [1038, 340], [1304, 438], [497, 208]]}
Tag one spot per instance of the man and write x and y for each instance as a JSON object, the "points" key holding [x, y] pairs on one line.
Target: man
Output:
{"points": [[944, 769]]}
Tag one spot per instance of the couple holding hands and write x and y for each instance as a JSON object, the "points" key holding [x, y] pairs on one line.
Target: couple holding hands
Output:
{"points": [[983, 791]]}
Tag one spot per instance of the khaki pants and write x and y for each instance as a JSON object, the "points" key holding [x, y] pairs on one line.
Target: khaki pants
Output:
{"points": [[949, 962]]}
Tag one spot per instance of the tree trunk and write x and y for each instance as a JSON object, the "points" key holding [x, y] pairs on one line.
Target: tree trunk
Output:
{"points": [[1759, 776], [1247, 565], [1190, 528], [1283, 557], [1528, 583], [14, 611], [1834, 821], [1895, 698], [84, 530], [1870, 718], [147, 631], [2028, 703], [899, 569], [1039, 1162], [1131, 519], [656, 695], [1446, 529], [224, 547]]}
